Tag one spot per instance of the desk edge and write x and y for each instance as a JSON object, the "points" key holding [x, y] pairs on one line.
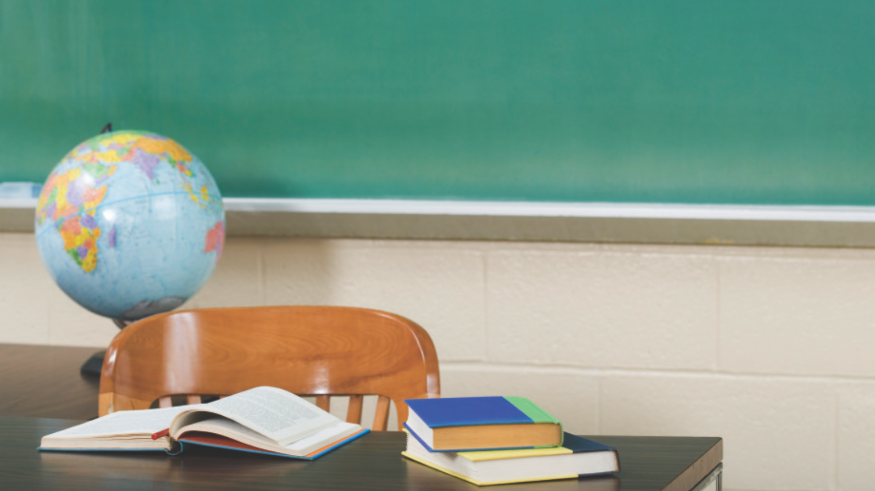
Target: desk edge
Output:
{"points": [[699, 469]]}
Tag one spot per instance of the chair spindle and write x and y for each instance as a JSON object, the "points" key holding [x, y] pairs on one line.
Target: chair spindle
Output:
{"points": [[323, 402], [354, 411], [381, 415]]}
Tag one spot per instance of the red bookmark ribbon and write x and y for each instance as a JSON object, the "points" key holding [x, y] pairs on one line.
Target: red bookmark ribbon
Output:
{"points": [[161, 433]]}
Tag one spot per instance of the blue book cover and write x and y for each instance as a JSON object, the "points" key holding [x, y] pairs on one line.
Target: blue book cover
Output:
{"points": [[470, 411], [440, 424], [579, 444]]}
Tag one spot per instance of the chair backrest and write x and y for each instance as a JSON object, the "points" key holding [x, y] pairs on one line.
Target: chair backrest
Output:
{"points": [[309, 351]]}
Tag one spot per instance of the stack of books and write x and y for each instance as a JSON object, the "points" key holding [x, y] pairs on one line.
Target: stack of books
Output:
{"points": [[499, 440]]}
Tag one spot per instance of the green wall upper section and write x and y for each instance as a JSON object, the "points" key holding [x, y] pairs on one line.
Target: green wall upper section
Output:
{"points": [[631, 101]]}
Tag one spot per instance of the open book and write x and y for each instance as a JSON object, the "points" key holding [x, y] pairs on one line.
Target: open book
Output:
{"points": [[263, 420]]}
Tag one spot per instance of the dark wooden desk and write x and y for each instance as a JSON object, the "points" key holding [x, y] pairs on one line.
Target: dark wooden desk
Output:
{"points": [[41, 381], [44, 382]]}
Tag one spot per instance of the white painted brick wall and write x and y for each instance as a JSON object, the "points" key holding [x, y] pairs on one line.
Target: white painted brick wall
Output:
{"points": [[770, 348]]}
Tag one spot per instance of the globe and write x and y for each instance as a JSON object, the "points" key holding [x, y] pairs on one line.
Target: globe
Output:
{"points": [[130, 224]]}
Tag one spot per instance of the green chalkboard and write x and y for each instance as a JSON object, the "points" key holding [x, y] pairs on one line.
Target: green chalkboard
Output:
{"points": [[572, 100]]}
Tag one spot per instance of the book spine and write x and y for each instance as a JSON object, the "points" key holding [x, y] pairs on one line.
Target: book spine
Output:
{"points": [[536, 414], [531, 410]]}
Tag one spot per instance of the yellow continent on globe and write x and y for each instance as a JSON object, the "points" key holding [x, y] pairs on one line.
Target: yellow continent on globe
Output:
{"points": [[70, 201]]}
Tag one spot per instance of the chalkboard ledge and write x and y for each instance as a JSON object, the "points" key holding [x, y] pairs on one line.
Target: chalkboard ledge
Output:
{"points": [[811, 226]]}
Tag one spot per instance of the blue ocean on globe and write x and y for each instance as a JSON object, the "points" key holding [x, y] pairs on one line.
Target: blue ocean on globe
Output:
{"points": [[130, 224]]}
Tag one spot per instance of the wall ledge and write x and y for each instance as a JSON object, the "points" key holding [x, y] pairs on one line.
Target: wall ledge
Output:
{"points": [[810, 226]]}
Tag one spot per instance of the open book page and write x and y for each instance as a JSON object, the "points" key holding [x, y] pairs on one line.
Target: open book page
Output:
{"points": [[278, 415], [141, 422], [304, 446], [327, 436], [124, 429]]}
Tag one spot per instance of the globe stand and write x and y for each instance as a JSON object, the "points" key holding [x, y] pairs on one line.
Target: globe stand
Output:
{"points": [[93, 366]]}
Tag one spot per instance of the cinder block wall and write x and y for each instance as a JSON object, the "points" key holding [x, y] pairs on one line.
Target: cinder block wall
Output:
{"points": [[771, 348]]}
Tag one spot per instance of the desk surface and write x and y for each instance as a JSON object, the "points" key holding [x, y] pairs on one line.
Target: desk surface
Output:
{"points": [[373, 462], [45, 382]]}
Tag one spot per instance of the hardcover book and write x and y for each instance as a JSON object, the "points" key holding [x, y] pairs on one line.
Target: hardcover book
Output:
{"points": [[576, 457], [481, 423], [261, 420]]}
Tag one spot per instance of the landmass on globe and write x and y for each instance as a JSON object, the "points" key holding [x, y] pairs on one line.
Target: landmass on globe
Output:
{"points": [[123, 193], [74, 195]]}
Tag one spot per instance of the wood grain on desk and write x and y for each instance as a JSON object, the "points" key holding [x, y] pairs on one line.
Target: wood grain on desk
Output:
{"points": [[44, 382]]}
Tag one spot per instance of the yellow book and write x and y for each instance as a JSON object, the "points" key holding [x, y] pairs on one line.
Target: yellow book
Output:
{"points": [[576, 457]]}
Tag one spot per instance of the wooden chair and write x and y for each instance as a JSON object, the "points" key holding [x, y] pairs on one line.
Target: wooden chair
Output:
{"points": [[312, 351]]}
